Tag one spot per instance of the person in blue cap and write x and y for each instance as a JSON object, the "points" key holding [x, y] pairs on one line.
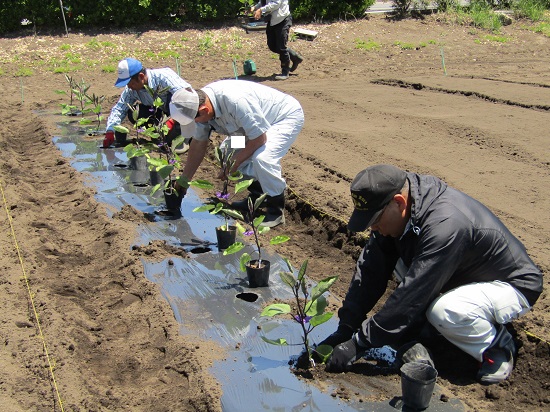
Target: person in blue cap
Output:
{"points": [[133, 77]]}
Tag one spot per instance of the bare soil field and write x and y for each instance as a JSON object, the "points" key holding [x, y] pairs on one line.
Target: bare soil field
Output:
{"points": [[431, 96]]}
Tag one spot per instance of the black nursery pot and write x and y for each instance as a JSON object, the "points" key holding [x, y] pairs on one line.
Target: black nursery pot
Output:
{"points": [[173, 200], [258, 276], [120, 138], [155, 178], [226, 237], [138, 163]]}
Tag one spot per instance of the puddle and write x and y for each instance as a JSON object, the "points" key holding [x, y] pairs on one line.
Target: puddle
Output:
{"points": [[209, 295]]}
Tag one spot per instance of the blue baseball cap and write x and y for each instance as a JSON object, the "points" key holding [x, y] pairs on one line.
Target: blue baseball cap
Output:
{"points": [[126, 69]]}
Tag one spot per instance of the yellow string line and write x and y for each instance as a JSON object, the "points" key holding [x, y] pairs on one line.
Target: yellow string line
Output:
{"points": [[31, 298]]}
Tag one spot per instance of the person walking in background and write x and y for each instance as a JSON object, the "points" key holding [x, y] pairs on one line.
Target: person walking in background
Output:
{"points": [[466, 274], [269, 119], [133, 77], [279, 20]]}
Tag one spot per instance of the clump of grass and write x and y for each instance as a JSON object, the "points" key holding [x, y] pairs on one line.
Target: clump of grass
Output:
{"points": [[24, 72], [405, 46], [206, 42], [498, 39], [93, 44], [65, 47], [483, 17], [107, 44], [108, 69], [165, 54], [530, 9], [367, 45], [543, 28]]}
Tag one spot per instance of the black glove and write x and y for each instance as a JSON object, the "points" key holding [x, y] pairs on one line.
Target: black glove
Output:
{"points": [[346, 353], [342, 334]]}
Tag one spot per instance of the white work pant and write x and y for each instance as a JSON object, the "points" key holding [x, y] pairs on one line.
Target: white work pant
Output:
{"points": [[467, 315], [265, 164]]}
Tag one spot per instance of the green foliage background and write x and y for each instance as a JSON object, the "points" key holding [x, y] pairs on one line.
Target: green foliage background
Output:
{"points": [[46, 14]]}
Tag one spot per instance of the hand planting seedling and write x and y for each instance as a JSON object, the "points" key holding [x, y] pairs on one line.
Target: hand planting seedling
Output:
{"points": [[310, 312]]}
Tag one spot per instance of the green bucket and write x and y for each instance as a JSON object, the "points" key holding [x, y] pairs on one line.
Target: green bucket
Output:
{"points": [[249, 67]]}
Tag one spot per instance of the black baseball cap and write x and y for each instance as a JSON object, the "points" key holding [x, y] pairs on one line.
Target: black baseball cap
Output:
{"points": [[371, 190]]}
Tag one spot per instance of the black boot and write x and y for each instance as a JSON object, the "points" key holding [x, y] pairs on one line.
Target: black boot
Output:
{"points": [[296, 58], [285, 72], [275, 206], [255, 190]]}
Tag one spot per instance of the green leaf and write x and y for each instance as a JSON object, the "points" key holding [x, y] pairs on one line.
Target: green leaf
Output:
{"points": [[279, 239], [234, 248], [85, 121], [240, 228], [288, 265], [276, 309], [235, 176], [302, 271], [259, 201], [217, 208], [322, 287], [258, 221], [176, 142], [233, 213], [288, 279], [201, 184], [280, 341], [203, 208], [155, 188], [239, 187], [324, 352], [319, 319], [156, 162], [263, 229], [316, 307], [245, 258]]}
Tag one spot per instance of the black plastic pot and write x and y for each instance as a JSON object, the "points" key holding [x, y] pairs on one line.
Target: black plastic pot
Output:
{"points": [[155, 178], [173, 198], [138, 163], [120, 139], [258, 276], [226, 237], [417, 384]]}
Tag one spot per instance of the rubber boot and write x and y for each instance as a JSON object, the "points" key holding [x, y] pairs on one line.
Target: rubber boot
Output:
{"points": [[498, 359], [275, 206], [255, 191], [296, 58], [285, 72]]}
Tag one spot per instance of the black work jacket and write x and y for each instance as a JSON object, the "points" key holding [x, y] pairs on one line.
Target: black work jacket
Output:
{"points": [[451, 240]]}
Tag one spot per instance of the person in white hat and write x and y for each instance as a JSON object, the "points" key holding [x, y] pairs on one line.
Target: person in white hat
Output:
{"points": [[269, 119], [133, 77]]}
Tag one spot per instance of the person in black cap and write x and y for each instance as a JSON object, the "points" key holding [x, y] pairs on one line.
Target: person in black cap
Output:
{"points": [[464, 273], [133, 77]]}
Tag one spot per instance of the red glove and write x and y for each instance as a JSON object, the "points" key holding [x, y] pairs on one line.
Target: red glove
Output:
{"points": [[170, 123], [109, 139]]}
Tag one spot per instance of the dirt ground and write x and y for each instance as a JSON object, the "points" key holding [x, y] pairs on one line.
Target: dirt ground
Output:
{"points": [[433, 97]]}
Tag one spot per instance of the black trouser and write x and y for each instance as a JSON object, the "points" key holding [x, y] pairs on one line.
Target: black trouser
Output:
{"points": [[277, 38]]}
